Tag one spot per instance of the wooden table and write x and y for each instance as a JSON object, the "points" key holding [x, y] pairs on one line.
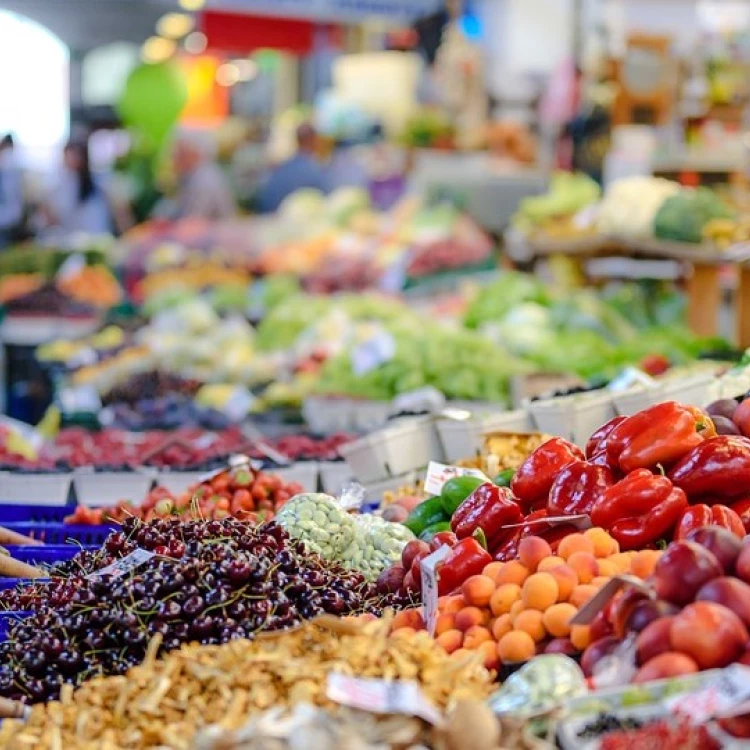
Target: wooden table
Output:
{"points": [[703, 265]]}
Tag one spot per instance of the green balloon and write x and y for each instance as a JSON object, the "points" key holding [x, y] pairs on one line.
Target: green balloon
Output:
{"points": [[153, 99]]}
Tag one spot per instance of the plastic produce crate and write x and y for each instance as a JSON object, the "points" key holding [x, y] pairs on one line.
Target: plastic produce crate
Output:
{"points": [[8, 619], [48, 554], [61, 533], [38, 513]]}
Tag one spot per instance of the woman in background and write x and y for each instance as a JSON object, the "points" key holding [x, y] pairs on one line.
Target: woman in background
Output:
{"points": [[78, 204]]}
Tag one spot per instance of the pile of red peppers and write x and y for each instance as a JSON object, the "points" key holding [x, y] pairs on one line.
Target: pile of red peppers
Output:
{"points": [[653, 476]]}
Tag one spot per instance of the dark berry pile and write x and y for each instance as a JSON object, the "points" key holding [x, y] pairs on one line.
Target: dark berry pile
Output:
{"points": [[211, 581]]}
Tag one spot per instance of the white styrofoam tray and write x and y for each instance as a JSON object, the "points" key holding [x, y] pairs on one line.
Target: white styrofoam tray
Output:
{"points": [[334, 475], [411, 443], [367, 457], [34, 489], [302, 472], [465, 438], [105, 489], [573, 417]]}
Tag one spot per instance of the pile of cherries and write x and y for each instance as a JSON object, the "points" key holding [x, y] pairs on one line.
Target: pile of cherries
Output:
{"points": [[210, 581]]}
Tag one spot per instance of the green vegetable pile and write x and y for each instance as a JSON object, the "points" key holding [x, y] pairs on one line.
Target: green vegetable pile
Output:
{"points": [[683, 216]]}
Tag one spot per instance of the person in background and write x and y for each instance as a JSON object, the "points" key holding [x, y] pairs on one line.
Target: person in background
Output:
{"points": [[77, 203], [303, 170], [344, 169], [203, 189], [11, 193]]}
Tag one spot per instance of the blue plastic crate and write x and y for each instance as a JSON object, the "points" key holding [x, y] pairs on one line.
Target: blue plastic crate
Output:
{"points": [[60, 533], [8, 619], [47, 554], [37, 513]]}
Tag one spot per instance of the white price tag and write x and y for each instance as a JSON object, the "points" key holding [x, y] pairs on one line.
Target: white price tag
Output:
{"points": [[438, 474], [205, 441], [124, 565], [80, 398], [428, 567], [721, 698], [72, 266], [375, 351], [381, 696]]}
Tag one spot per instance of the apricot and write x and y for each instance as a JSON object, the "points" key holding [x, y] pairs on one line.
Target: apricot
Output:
{"points": [[488, 650], [585, 566], [642, 564], [470, 616], [621, 561], [539, 591], [504, 597], [461, 654], [492, 569], [531, 622], [573, 543], [408, 618], [501, 626], [445, 621], [550, 562], [606, 568], [516, 646], [580, 636], [515, 609], [476, 635], [557, 619], [451, 604], [477, 590], [450, 640], [567, 580], [599, 581], [532, 550], [581, 594], [604, 544], [513, 571]]}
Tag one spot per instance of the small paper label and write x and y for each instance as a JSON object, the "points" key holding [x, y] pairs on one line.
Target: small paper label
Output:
{"points": [[80, 398], [629, 377], [375, 351], [381, 696], [205, 441], [428, 568], [438, 474], [124, 565], [722, 697], [599, 600], [72, 266]]}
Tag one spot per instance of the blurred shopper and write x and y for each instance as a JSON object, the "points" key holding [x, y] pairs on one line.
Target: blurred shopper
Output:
{"points": [[77, 203], [303, 170], [11, 193], [345, 169], [204, 190]]}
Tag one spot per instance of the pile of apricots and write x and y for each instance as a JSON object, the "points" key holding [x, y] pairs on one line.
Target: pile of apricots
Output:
{"points": [[517, 609]]}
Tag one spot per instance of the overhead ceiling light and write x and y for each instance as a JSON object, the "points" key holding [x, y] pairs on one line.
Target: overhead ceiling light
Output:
{"points": [[157, 49], [175, 25], [196, 42], [246, 68], [227, 74], [192, 4]]}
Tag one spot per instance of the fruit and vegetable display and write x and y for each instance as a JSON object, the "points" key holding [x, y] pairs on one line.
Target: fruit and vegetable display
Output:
{"points": [[181, 448], [242, 492]]}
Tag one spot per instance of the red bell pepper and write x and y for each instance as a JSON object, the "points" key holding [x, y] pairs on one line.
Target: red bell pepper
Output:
{"points": [[598, 441], [441, 538], [696, 516], [640, 509], [532, 482], [488, 508], [577, 488], [718, 468], [742, 509], [659, 435], [467, 558]]}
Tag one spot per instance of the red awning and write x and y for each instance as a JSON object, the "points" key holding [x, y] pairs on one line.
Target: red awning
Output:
{"points": [[241, 33]]}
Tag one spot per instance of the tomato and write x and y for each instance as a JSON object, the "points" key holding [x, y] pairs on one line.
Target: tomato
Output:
{"points": [[221, 483], [243, 499]]}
